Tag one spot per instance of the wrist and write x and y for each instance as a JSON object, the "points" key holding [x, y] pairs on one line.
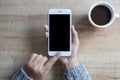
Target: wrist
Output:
{"points": [[31, 73], [71, 64]]}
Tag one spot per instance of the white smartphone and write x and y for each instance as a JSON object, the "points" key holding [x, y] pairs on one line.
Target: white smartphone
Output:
{"points": [[59, 39]]}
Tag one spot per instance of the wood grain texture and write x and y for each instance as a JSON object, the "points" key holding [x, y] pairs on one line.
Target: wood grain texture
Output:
{"points": [[22, 33]]}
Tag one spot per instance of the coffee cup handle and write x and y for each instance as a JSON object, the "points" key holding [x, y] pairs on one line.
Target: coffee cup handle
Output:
{"points": [[117, 15]]}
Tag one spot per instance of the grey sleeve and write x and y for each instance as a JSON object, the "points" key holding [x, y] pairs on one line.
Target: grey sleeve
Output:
{"points": [[21, 75], [78, 73]]}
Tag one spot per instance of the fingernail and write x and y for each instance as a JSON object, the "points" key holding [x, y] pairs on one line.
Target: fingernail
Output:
{"points": [[59, 54]]}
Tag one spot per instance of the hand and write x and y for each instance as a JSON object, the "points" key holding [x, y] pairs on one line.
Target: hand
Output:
{"points": [[38, 65], [71, 62]]}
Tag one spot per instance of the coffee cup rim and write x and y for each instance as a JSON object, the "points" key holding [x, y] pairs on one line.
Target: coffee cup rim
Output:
{"points": [[106, 5]]}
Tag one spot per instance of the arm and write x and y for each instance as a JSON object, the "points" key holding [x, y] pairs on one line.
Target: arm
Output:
{"points": [[21, 75], [78, 73]]}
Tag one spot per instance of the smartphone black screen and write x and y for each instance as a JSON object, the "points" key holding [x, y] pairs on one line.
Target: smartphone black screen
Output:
{"points": [[59, 32]]}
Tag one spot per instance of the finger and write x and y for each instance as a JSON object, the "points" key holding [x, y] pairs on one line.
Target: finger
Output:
{"points": [[46, 28], [46, 34], [52, 61], [32, 57], [42, 61], [36, 60], [74, 32], [75, 38]]}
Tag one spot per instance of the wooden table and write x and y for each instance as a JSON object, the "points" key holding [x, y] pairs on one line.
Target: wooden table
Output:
{"points": [[22, 33]]}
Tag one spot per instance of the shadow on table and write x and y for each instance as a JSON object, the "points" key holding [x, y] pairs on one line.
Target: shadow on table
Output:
{"points": [[36, 36], [83, 26]]}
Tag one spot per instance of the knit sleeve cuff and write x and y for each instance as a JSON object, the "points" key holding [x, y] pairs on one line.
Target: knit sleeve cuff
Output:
{"points": [[21, 75], [78, 73]]}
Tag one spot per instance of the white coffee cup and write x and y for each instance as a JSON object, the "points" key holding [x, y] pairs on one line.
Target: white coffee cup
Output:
{"points": [[113, 14]]}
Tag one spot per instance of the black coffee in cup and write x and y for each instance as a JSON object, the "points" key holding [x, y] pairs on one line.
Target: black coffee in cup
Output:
{"points": [[101, 15]]}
